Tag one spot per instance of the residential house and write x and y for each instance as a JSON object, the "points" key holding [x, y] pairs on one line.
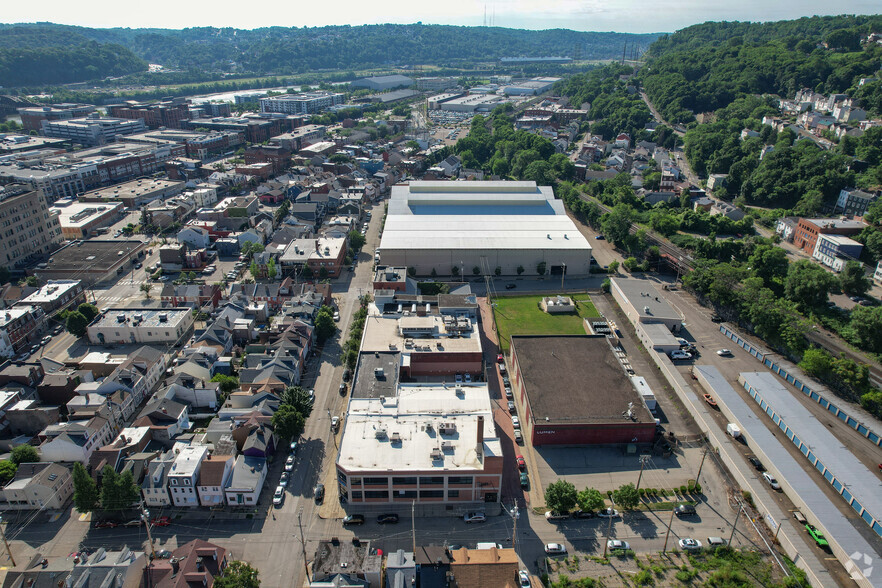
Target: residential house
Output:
{"points": [[219, 334], [194, 237], [451, 166], [785, 227], [74, 440], [835, 251], [196, 563], [166, 418], [249, 474], [191, 295], [26, 417], [354, 563], [86, 406], [194, 393], [154, 487], [727, 210], [59, 387], [107, 569], [400, 569], [622, 141], [274, 370], [37, 486], [184, 474], [433, 566], [807, 230], [488, 568], [254, 436], [214, 477], [130, 440], [854, 202], [877, 275]]}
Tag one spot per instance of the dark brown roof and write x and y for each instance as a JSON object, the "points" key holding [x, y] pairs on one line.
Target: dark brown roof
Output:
{"points": [[575, 379], [212, 471]]}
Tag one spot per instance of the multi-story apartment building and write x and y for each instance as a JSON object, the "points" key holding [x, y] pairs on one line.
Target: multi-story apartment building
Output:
{"points": [[56, 294], [853, 201], [184, 474], [18, 325], [27, 227], [92, 130], [807, 230], [306, 103], [199, 145], [168, 114], [32, 118], [80, 220], [140, 325]]}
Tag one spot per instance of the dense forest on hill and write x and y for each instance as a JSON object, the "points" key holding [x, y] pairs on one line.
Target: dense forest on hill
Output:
{"points": [[297, 50], [28, 66], [705, 67]]}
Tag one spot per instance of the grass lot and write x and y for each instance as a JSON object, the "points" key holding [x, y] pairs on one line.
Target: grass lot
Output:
{"points": [[521, 315]]}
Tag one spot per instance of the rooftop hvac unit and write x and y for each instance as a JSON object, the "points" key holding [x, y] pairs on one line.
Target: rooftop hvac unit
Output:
{"points": [[447, 428], [446, 446], [380, 433], [139, 317], [120, 318], [436, 454], [395, 438], [163, 317]]}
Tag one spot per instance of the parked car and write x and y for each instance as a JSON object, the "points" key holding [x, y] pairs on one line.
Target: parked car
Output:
{"points": [[500, 358], [756, 463], [684, 510], [133, 523], [342, 389], [311, 396], [819, 538], [689, 544], [46, 340], [519, 437], [524, 579], [714, 542], [511, 286], [502, 368], [675, 355], [522, 463], [599, 237], [335, 423], [724, 352], [286, 477], [555, 549], [105, 524], [710, 400], [387, 519], [618, 545], [336, 315], [584, 514], [608, 513], [771, 480], [34, 349], [553, 515], [516, 422], [279, 495], [525, 480], [57, 330], [353, 519], [160, 521], [508, 393], [289, 463], [511, 407], [468, 378], [474, 517], [458, 378], [319, 493]]}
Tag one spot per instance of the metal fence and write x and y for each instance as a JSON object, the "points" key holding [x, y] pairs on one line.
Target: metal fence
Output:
{"points": [[765, 359]]}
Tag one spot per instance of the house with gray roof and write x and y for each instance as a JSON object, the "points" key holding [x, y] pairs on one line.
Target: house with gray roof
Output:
{"points": [[249, 474]]}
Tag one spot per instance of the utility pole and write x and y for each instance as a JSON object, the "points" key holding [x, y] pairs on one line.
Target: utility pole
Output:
{"points": [[303, 544], [413, 524], [735, 522], [145, 516], [698, 475], [668, 534], [514, 534], [562, 274], [608, 531], [643, 460], [5, 542]]}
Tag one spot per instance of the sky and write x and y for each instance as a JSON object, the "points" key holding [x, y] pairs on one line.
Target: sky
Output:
{"points": [[629, 16]]}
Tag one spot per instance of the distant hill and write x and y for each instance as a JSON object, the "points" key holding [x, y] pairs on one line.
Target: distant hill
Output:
{"points": [[281, 50]]}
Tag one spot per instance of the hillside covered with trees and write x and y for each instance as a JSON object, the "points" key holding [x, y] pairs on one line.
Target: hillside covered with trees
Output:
{"points": [[296, 50]]}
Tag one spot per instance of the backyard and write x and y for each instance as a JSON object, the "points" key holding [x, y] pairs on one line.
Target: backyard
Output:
{"points": [[521, 315]]}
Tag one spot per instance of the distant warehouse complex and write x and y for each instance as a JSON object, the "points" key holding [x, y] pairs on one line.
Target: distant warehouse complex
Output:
{"points": [[506, 225]]}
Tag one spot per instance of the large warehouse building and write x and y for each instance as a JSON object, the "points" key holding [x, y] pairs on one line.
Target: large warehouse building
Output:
{"points": [[572, 390], [444, 225]]}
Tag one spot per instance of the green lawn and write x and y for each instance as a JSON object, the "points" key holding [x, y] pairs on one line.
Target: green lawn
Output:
{"points": [[521, 315]]}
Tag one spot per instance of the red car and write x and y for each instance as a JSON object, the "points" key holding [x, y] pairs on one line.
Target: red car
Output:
{"points": [[522, 465], [105, 524], [161, 521], [499, 358]]}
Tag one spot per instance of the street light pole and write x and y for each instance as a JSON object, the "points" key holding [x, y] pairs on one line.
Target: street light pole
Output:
{"points": [[643, 460], [608, 531], [701, 465], [735, 522], [668, 533], [303, 544]]}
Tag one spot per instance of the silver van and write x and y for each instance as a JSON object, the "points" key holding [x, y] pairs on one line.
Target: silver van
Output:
{"points": [[715, 541]]}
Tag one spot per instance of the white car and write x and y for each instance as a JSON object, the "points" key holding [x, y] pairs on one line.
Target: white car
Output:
{"points": [[336, 315], [279, 495], [474, 517], [468, 378], [524, 579], [689, 544], [680, 355], [724, 352], [555, 549], [771, 480], [458, 378], [335, 423], [516, 422], [608, 513], [618, 545], [289, 463]]}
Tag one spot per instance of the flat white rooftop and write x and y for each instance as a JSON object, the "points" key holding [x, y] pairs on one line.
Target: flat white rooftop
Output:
{"points": [[478, 215], [402, 433], [187, 461]]}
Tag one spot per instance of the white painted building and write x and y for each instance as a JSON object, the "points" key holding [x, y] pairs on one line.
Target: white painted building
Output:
{"points": [[184, 474], [140, 325]]}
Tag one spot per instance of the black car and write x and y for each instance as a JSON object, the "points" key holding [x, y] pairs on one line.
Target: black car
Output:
{"points": [[511, 286], [353, 519], [385, 519], [319, 493], [584, 514], [717, 318], [756, 463], [684, 510]]}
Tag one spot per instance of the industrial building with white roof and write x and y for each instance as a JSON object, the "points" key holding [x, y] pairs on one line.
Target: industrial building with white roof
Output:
{"points": [[444, 225], [427, 443]]}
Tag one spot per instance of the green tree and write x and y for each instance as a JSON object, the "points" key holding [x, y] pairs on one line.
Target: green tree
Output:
{"points": [[454, 270], [297, 398], [520, 269], [590, 499], [24, 454], [238, 574], [852, 279], [807, 284], [770, 263], [145, 288], [356, 240], [626, 496], [497, 271], [561, 496], [76, 323], [323, 273], [816, 362], [227, 383], [271, 271], [540, 268], [86, 496], [287, 422], [866, 324], [7, 471], [118, 491], [872, 402], [90, 311], [32, 281], [476, 270], [616, 224], [4, 275], [325, 327]]}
